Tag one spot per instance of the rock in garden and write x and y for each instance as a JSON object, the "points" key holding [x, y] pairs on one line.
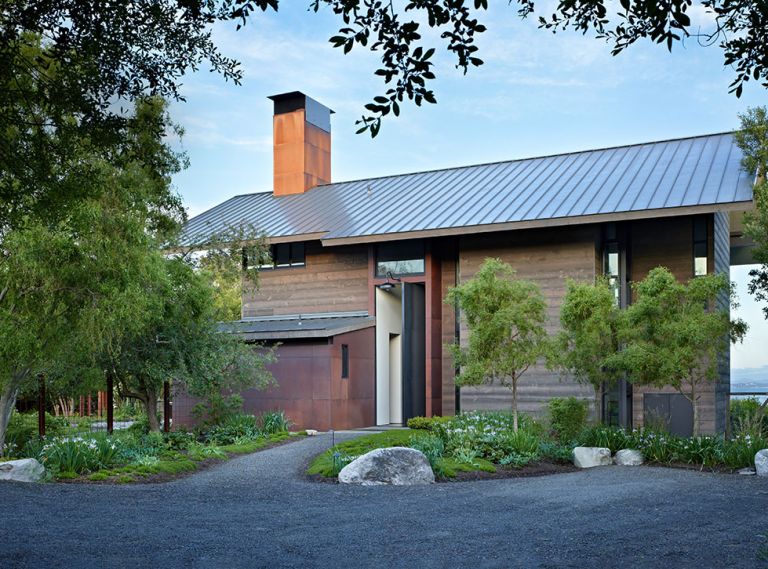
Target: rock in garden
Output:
{"points": [[24, 470], [628, 457], [311, 432], [761, 462], [746, 471], [398, 466], [587, 457]]}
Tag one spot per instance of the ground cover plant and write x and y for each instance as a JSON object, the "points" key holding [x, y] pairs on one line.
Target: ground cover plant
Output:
{"points": [[133, 454], [486, 442]]}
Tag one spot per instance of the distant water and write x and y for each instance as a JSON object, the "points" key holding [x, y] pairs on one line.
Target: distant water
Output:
{"points": [[749, 379]]}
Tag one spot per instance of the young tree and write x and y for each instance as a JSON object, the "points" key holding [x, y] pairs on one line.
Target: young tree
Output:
{"points": [[589, 317], [506, 318], [674, 334], [752, 138]]}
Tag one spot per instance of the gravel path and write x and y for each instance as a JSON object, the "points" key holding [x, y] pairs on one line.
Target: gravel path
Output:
{"points": [[258, 511]]}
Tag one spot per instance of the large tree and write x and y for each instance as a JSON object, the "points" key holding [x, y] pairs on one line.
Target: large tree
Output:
{"points": [[506, 319], [113, 49], [752, 138], [674, 334], [182, 342]]}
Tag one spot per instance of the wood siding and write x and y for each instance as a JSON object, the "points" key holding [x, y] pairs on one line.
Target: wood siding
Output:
{"points": [[547, 257], [333, 280]]}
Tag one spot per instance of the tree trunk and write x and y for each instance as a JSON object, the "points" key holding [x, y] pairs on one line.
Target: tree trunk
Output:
{"points": [[598, 404], [695, 403], [150, 405], [514, 404], [8, 402]]}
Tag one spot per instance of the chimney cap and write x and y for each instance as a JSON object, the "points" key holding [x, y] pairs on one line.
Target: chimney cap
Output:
{"points": [[315, 113]]}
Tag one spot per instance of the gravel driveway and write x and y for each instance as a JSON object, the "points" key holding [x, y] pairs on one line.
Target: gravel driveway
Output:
{"points": [[258, 511]]}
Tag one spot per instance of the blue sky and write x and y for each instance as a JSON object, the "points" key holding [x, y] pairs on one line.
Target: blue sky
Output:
{"points": [[537, 94]]}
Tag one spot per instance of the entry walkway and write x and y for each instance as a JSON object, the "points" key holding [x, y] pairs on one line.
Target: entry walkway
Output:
{"points": [[261, 511]]}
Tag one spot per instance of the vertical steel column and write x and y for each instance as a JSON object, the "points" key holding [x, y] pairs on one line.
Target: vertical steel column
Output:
{"points": [[110, 402], [166, 406], [41, 404]]}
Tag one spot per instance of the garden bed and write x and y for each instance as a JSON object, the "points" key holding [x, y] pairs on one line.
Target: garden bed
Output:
{"points": [[174, 469]]}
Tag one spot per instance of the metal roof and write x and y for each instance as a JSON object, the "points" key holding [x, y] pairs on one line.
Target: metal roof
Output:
{"points": [[645, 180], [298, 326]]}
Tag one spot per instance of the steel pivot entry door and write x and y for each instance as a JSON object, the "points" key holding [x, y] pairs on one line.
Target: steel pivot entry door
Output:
{"points": [[414, 351]]}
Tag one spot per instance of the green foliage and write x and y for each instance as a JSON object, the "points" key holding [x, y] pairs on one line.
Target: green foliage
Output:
{"points": [[234, 428], [506, 319], [427, 423], [23, 428], [674, 334], [556, 452], [749, 417], [432, 446], [752, 138], [589, 317], [662, 448], [274, 422], [448, 467], [568, 417], [323, 464]]}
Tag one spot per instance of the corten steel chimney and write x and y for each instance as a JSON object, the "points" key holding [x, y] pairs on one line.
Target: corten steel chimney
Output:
{"points": [[302, 143]]}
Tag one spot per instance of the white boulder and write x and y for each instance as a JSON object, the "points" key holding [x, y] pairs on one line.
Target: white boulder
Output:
{"points": [[24, 470], [628, 457], [398, 466], [761, 462], [588, 457], [311, 432]]}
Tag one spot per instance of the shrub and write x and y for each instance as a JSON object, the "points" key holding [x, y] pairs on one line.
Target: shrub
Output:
{"points": [[748, 417], [568, 417], [235, 428], [275, 422], [23, 428], [432, 446], [339, 461], [427, 423], [555, 451], [70, 456], [607, 437], [179, 440]]}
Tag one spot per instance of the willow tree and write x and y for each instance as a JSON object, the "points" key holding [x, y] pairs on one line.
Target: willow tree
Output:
{"points": [[506, 319], [589, 317], [674, 334]]}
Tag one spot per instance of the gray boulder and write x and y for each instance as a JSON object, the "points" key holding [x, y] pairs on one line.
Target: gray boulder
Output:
{"points": [[588, 457], [24, 470], [398, 466], [628, 457], [761, 462]]}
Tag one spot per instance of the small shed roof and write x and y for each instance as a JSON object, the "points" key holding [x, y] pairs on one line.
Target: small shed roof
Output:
{"points": [[655, 179], [299, 326]]}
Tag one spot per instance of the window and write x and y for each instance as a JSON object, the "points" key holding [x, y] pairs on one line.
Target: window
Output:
{"points": [[611, 262], [344, 361], [284, 255], [404, 258], [700, 246]]}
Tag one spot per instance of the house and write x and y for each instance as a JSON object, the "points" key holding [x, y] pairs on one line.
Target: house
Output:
{"points": [[361, 268]]}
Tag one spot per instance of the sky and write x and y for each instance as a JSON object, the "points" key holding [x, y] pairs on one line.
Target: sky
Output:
{"points": [[536, 94]]}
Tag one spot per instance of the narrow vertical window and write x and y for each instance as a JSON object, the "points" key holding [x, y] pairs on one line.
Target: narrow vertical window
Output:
{"points": [[344, 361], [611, 267], [700, 246]]}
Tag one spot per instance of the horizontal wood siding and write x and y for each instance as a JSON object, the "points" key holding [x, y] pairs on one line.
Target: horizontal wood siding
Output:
{"points": [[547, 257], [333, 280]]}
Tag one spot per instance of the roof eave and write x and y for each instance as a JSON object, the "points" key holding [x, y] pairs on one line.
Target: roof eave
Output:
{"points": [[540, 223]]}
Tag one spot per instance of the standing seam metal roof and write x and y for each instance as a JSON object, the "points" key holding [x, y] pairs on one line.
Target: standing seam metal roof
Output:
{"points": [[696, 171]]}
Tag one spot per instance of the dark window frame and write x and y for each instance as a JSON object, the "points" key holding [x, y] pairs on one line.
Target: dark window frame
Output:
{"points": [[345, 361], [700, 234], [295, 255], [400, 252]]}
